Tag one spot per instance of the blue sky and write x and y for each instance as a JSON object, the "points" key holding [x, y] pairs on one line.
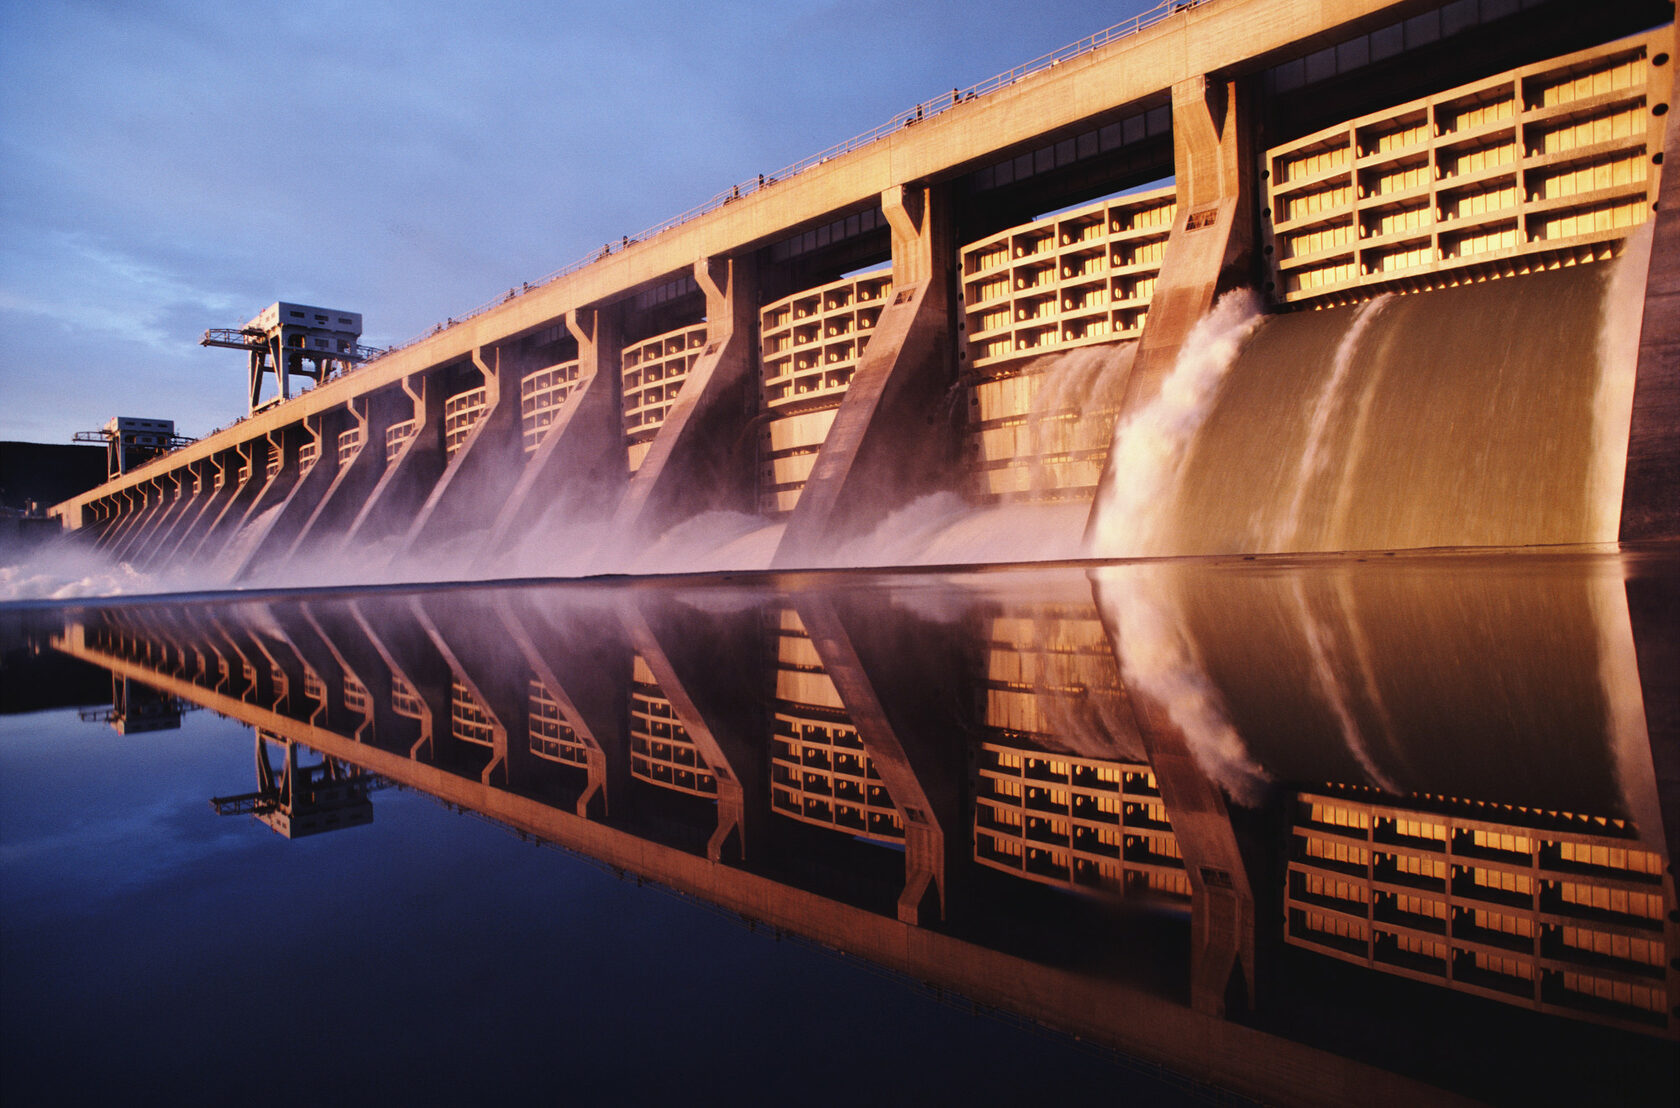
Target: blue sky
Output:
{"points": [[171, 166]]}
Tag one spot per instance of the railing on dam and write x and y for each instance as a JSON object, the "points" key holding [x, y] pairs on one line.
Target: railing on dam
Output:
{"points": [[820, 771], [461, 414], [1068, 280], [550, 737], [396, 435], [1039, 427], [661, 751], [540, 396], [654, 371], [811, 344], [1545, 910], [350, 444], [1545, 165], [1057, 817]]}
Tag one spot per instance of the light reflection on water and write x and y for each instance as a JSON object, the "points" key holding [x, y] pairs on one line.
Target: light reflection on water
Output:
{"points": [[1293, 830]]}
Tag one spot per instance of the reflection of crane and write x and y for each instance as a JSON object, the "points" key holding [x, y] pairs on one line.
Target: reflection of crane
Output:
{"points": [[298, 800], [136, 707]]}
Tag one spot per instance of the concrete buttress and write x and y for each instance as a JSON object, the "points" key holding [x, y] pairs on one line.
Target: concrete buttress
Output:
{"points": [[580, 460], [891, 433], [701, 459]]}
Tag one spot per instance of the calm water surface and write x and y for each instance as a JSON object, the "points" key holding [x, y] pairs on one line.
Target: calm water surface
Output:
{"points": [[1311, 831]]}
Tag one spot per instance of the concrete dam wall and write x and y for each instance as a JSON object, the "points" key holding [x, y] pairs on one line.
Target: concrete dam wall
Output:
{"points": [[1260, 276]]}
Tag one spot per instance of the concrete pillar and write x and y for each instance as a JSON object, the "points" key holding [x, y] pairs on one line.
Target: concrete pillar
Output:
{"points": [[340, 626], [1650, 502], [584, 667], [408, 478], [580, 460], [303, 635], [129, 502], [486, 675], [1211, 249], [487, 464], [706, 664], [401, 646], [222, 467], [153, 498], [353, 481], [1222, 901], [253, 459], [703, 457], [883, 669], [146, 500], [298, 489], [189, 501], [893, 436]]}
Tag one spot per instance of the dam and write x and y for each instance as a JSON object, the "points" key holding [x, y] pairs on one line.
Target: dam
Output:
{"points": [[1236, 277]]}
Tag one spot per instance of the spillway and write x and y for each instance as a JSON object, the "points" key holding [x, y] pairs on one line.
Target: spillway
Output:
{"points": [[1456, 417]]}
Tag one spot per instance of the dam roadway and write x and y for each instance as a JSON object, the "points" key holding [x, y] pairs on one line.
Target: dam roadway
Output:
{"points": [[1323, 154]]}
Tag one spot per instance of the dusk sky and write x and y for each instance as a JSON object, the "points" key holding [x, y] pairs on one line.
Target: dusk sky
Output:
{"points": [[171, 166]]}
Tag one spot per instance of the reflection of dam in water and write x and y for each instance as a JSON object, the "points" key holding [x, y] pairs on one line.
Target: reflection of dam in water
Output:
{"points": [[1457, 332], [937, 749]]}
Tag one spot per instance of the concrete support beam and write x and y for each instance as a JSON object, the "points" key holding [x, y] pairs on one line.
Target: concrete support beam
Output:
{"points": [[352, 481], [1651, 487], [131, 501], [297, 502], [394, 640], [580, 462], [153, 502], [485, 466], [491, 685], [195, 490], [1222, 912], [585, 670], [253, 457], [408, 477], [136, 521], [272, 491], [222, 472], [340, 627], [1211, 249], [892, 437], [177, 496], [705, 665], [300, 657], [318, 648], [877, 666], [702, 457]]}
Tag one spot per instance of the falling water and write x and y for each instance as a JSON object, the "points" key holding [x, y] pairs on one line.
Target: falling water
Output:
{"points": [[1492, 414], [1323, 651], [1160, 663], [1314, 457], [1151, 445], [1618, 361]]}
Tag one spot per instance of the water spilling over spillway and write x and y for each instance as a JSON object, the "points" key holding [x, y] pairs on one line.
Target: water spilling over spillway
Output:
{"points": [[1469, 416]]}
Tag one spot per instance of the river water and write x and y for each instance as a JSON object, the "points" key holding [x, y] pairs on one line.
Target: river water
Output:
{"points": [[1395, 829]]}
